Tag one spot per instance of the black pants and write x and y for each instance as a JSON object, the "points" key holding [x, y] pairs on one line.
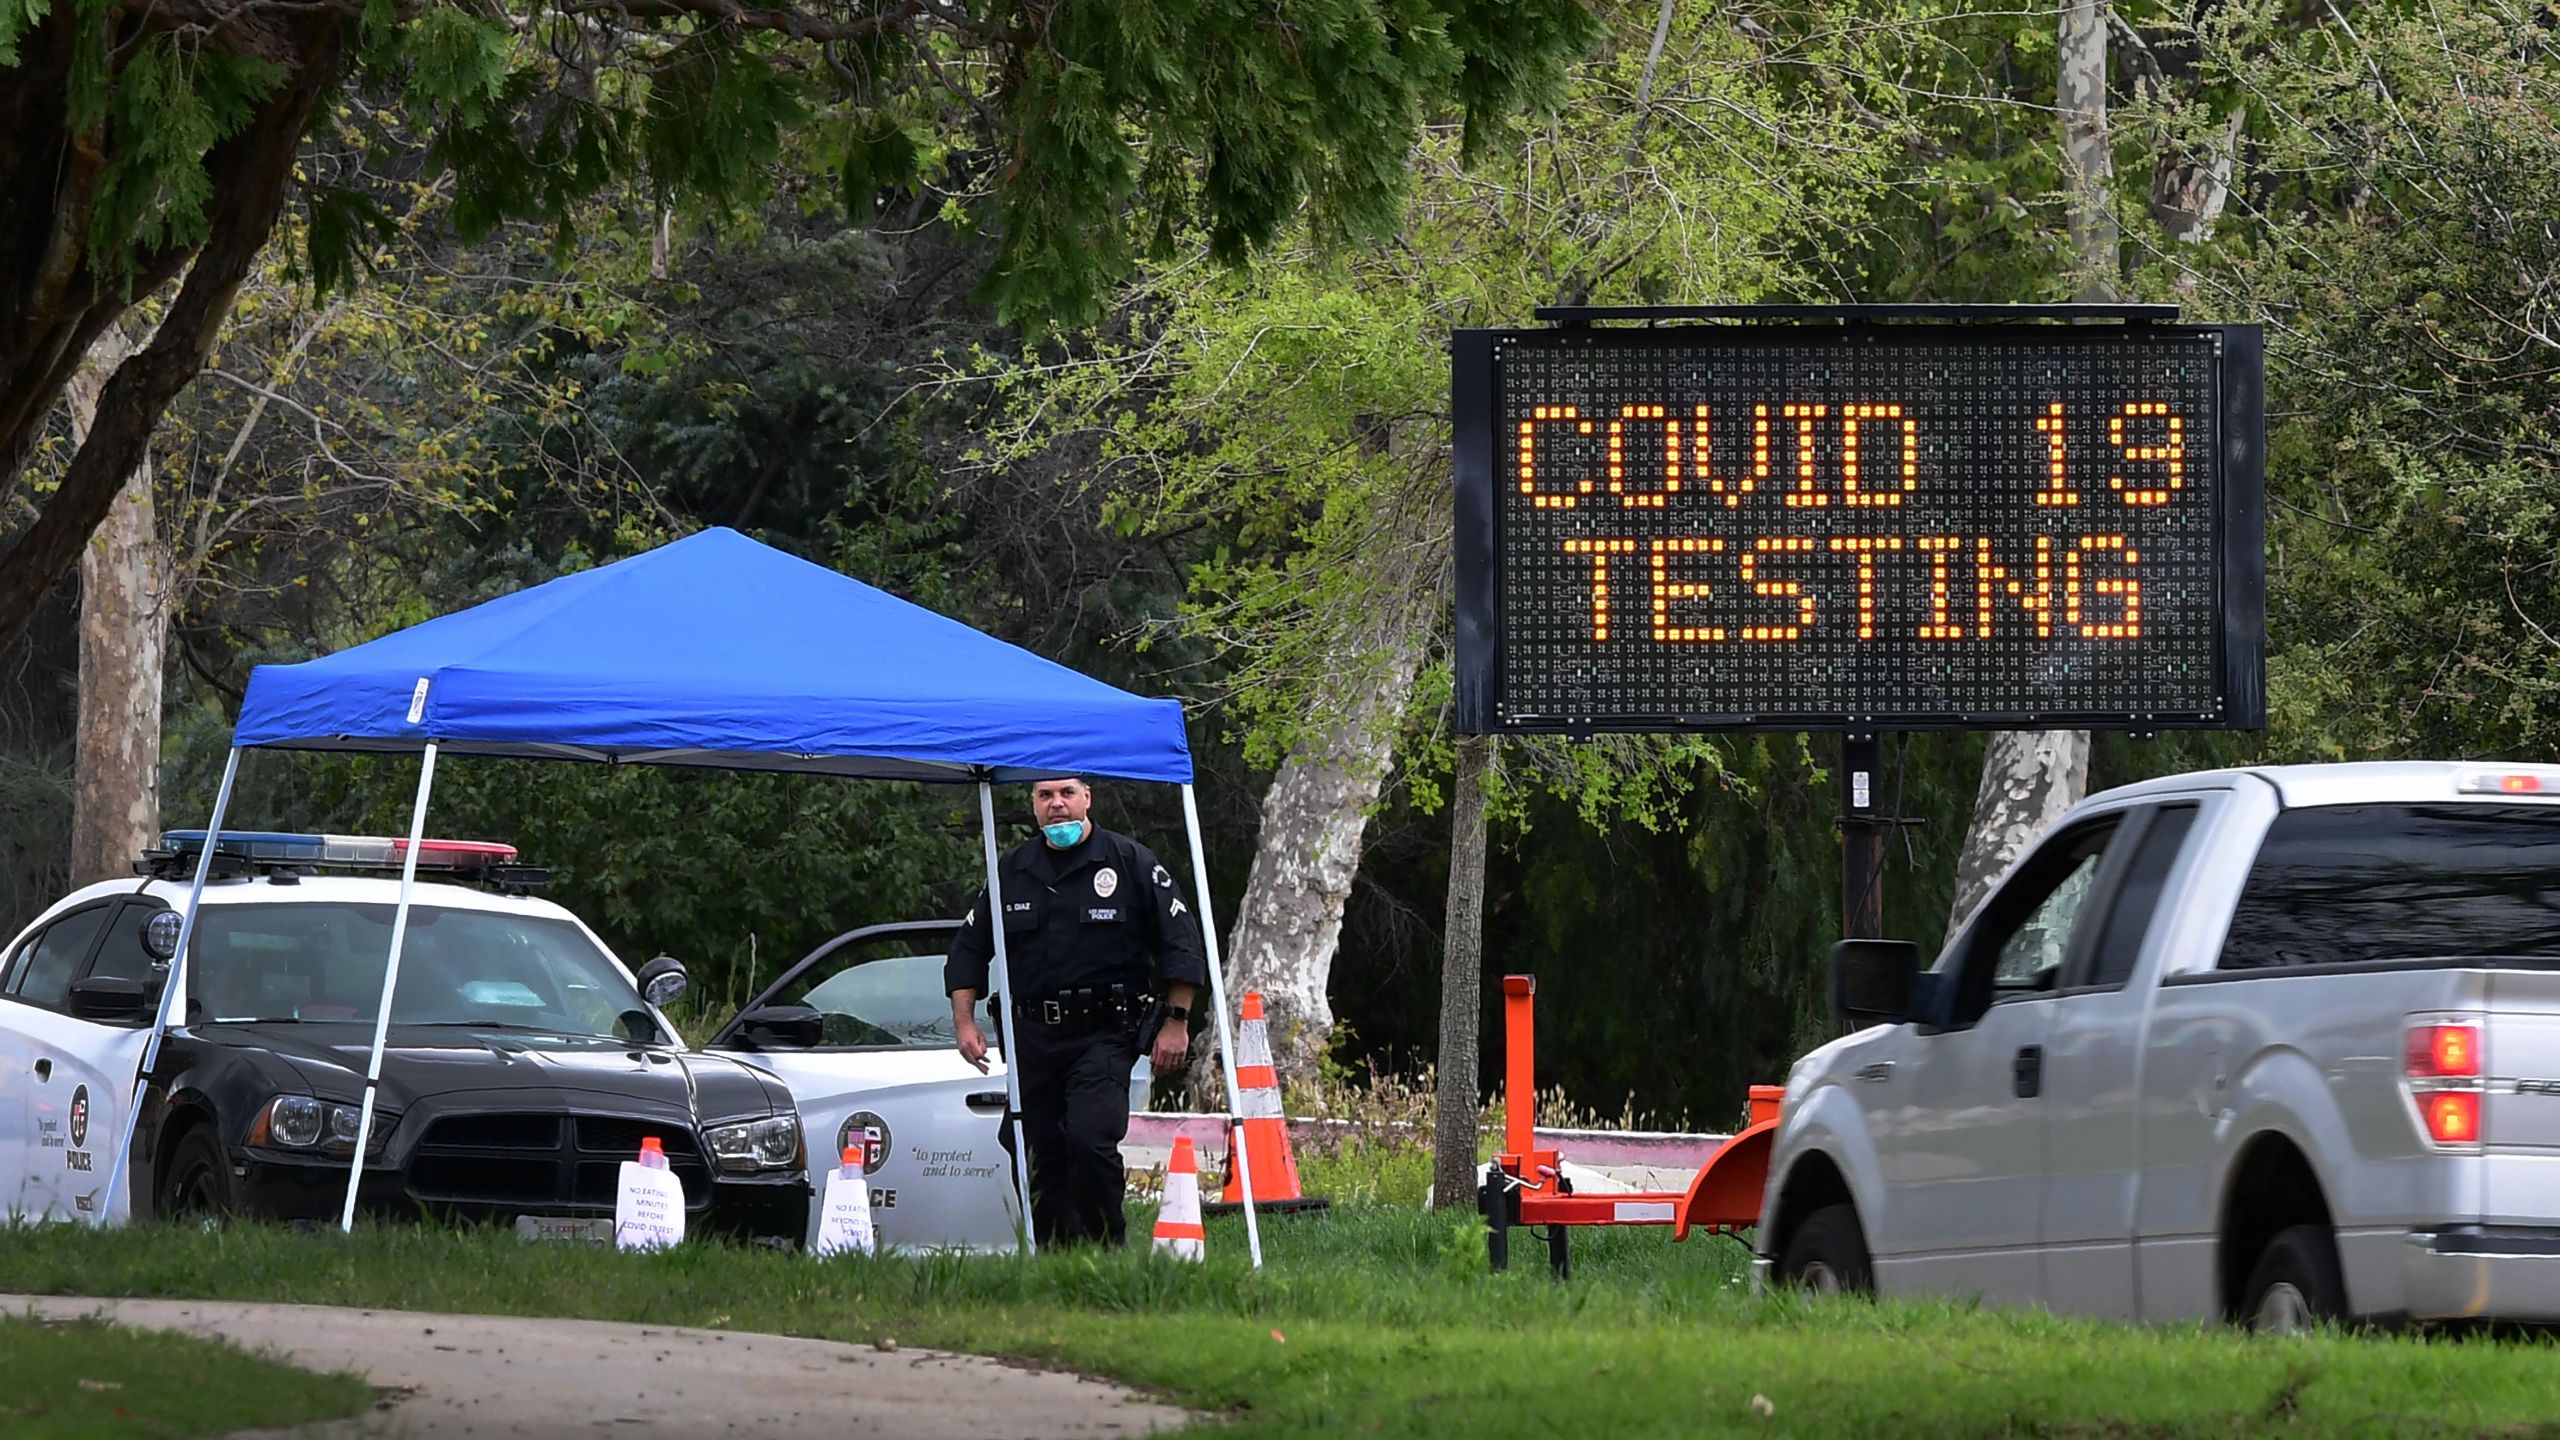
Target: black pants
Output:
{"points": [[1075, 1113]]}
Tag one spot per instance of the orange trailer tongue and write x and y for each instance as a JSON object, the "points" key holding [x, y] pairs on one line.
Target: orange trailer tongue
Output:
{"points": [[1526, 1186]]}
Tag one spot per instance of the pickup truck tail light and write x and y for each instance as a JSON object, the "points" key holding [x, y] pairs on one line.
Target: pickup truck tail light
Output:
{"points": [[2442, 1052], [2441, 1066], [2453, 1117]]}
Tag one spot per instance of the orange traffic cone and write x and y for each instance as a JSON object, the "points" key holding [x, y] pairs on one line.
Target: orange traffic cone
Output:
{"points": [[1262, 1123], [1178, 1228]]}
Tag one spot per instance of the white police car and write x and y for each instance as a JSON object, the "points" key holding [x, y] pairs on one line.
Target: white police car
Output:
{"points": [[860, 1029], [523, 1063]]}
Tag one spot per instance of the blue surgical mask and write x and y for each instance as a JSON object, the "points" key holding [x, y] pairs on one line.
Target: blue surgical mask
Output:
{"points": [[1064, 835]]}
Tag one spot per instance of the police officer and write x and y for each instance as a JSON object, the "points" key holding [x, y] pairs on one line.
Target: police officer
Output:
{"points": [[1091, 922]]}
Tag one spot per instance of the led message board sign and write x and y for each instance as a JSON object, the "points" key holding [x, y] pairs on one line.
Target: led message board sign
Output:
{"points": [[1860, 527]]}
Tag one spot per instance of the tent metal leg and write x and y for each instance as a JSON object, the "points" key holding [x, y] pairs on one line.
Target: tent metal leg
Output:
{"points": [[1218, 1005], [1002, 979], [172, 992], [390, 984]]}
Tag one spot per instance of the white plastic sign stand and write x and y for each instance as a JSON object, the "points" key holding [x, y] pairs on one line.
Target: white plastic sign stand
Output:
{"points": [[648, 1210], [844, 1223]]}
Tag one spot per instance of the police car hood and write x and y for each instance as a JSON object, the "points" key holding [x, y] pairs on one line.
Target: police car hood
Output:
{"points": [[541, 1070]]}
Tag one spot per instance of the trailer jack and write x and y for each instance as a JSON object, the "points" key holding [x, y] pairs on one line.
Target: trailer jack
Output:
{"points": [[1526, 1186]]}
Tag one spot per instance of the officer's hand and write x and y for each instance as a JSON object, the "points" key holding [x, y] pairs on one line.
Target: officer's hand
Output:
{"points": [[1173, 1042], [973, 1045]]}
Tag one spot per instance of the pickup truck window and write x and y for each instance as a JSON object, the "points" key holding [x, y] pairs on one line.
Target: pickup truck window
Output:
{"points": [[2355, 884], [2031, 957], [2024, 936], [2129, 918]]}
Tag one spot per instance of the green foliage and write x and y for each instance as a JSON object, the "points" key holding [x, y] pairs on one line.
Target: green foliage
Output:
{"points": [[1236, 115], [1071, 126], [456, 64], [17, 17], [2400, 256], [711, 127], [167, 107], [879, 155], [344, 228]]}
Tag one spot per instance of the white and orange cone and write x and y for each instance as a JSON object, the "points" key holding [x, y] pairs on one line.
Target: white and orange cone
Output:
{"points": [[1261, 1126], [1178, 1229]]}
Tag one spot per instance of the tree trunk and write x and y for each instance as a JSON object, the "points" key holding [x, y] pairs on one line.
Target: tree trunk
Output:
{"points": [[2189, 191], [1315, 817], [2087, 168], [1457, 1113], [124, 591], [2029, 777]]}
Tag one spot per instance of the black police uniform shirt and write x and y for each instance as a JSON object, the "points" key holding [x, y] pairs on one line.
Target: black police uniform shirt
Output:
{"points": [[1104, 911]]}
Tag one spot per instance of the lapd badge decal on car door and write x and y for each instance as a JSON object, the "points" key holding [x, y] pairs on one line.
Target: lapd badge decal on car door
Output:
{"points": [[1105, 881], [869, 1133]]}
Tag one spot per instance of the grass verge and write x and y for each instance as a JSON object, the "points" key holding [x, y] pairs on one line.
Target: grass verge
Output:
{"points": [[60, 1379], [1382, 1321]]}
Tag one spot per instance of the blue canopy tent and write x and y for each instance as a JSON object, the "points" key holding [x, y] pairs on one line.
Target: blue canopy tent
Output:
{"points": [[716, 651]]}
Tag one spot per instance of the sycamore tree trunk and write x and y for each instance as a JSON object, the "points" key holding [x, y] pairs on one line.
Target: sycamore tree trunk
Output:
{"points": [[124, 626], [2088, 170], [58, 293], [2029, 777], [1315, 817], [1458, 1108]]}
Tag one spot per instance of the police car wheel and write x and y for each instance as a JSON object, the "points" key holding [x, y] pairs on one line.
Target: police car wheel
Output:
{"points": [[1828, 1255], [197, 1184]]}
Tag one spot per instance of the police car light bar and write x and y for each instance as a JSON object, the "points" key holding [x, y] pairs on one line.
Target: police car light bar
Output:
{"points": [[2510, 780], [360, 852]]}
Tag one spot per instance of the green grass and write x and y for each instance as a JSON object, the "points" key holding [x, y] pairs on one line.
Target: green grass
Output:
{"points": [[1383, 1321], [60, 1379]]}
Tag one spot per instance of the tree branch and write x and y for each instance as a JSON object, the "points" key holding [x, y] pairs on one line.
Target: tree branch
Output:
{"points": [[249, 172]]}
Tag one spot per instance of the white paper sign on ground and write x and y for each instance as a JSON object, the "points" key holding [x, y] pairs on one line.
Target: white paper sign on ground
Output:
{"points": [[648, 1211], [844, 1221]]}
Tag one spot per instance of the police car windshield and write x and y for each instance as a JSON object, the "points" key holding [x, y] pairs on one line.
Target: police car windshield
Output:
{"points": [[320, 962]]}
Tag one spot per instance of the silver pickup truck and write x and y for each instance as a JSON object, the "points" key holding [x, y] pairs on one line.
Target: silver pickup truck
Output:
{"points": [[2276, 1046]]}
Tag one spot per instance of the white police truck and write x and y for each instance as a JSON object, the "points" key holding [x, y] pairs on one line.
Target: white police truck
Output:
{"points": [[2271, 1045]]}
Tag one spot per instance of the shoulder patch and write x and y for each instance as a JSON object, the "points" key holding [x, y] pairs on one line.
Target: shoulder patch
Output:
{"points": [[1163, 878]]}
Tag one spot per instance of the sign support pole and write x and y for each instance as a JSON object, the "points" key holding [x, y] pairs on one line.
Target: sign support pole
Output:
{"points": [[1861, 838]]}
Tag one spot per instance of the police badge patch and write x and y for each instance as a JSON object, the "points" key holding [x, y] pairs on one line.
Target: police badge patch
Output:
{"points": [[1105, 881]]}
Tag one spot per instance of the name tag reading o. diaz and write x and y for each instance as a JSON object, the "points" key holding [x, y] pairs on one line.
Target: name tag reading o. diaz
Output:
{"points": [[1860, 527]]}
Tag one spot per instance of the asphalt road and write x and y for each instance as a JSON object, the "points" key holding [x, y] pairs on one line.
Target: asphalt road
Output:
{"points": [[457, 1375]]}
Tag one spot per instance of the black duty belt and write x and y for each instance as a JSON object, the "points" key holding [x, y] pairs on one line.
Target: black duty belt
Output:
{"points": [[1074, 1007]]}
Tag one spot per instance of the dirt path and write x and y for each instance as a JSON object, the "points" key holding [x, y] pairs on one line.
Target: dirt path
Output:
{"points": [[457, 1375]]}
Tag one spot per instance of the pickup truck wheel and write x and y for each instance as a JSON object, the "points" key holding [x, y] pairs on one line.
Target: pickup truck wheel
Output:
{"points": [[1828, 1255], [2295, 1287]]}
